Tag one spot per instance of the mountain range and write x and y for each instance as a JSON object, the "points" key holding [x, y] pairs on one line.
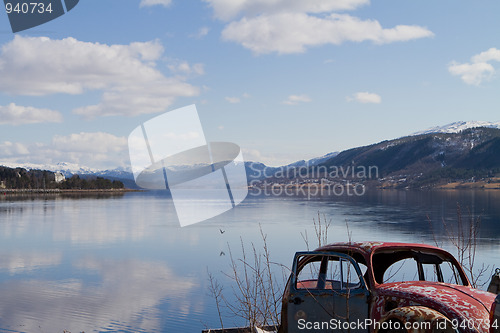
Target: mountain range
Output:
{"points": [[455, 152], [458, 126], [430, 159]]}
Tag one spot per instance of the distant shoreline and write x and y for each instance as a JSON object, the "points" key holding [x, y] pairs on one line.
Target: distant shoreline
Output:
{"points": [[479, 185], [57, 190], [458, 185]]}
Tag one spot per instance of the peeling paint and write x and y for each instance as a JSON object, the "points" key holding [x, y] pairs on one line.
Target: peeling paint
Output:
{"points": [[455, 302]]}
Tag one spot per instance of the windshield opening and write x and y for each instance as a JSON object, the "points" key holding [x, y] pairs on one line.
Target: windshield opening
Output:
{"points": [[415, 265]]}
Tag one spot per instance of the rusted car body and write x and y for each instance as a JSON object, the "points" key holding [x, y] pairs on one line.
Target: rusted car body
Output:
{"points": [[383, 287]]}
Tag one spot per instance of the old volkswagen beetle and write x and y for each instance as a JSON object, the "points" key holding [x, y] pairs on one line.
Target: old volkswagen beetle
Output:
{"points": [[383, 287]]}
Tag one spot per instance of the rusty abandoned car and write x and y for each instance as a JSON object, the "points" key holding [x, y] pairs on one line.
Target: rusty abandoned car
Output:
{"points": [[384, 287]]}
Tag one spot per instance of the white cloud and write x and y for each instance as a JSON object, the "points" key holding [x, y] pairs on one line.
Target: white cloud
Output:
{"points": [[295, 99], [85, 142], [126, 74], [233, 100], [291, 26], [185, 68], [13, 149], [13, 114], [293, 32], [252, 155], [96, 150], [148, 3], [365, 98], [228, 9], [201, 33], [473, 73], [479, 69], [491, 54]]}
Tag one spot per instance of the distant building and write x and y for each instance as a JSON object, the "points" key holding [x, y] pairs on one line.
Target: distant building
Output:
{"points": [[59, 177]]}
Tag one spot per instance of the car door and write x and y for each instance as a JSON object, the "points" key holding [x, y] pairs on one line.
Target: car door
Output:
{"points": [[327, 293]]}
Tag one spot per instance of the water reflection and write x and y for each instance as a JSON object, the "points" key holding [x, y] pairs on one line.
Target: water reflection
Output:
{"points": [[122, 263], [28, 261], [413, 210], [85, 220], [124, 295], [23, 196]]}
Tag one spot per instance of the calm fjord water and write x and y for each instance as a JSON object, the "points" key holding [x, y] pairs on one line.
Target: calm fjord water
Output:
{"points": [[121, 263]]}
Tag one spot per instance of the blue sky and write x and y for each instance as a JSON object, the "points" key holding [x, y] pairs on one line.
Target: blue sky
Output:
{"points": [[284, 79]]}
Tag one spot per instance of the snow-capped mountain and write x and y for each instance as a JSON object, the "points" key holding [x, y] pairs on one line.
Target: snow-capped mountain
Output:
{"points": [[458, 126], [318, 160], [69, 169], [255, 170]]}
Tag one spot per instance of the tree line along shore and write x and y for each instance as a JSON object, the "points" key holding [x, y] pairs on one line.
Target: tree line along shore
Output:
{"points": [[22, 180]]}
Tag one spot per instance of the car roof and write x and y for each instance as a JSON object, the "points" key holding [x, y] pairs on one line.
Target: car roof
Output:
{"points": [[369, 247]]}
